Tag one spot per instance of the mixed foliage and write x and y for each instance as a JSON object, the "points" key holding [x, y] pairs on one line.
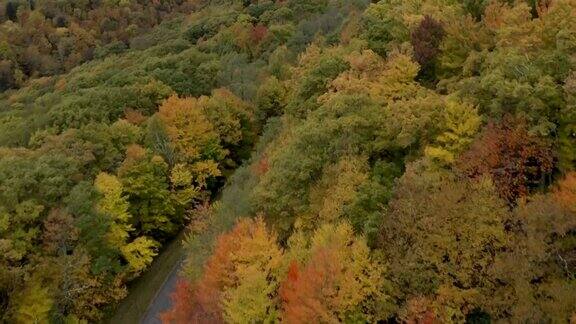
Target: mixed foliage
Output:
{"points": [[102, 165], [394, 161], [47, 37], [420, 170]]}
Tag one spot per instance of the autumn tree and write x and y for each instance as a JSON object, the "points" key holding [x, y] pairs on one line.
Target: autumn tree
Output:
{"points": [[426, 39], [460, 124], [190, 132], [335, 191], [145, 181], [78, 293], [565, 192], [238, 282], [60, 233], [114, 205], [419, 310], [33, 304], [536, 274], [140, 253], [233, 120], [440, 235], [339, 282], [182, 310], [516, 160], [256, 273]]}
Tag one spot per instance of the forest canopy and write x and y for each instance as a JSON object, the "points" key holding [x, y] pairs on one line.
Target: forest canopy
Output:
{"points": [[329, 160]]}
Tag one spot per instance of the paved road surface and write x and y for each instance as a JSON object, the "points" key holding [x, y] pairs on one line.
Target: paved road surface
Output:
{"points": [[162, 301]]}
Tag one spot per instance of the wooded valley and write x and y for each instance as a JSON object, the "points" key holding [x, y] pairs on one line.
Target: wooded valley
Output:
{"points": [[331, 161]]}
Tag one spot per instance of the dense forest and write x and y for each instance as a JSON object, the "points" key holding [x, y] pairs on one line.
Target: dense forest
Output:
{"points": [[41, 38], [374, 161]]}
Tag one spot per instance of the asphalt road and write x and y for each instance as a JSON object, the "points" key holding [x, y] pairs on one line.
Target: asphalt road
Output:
{"points": [[162, 300]]}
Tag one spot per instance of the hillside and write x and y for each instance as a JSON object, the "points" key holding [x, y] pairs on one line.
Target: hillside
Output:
{"points": [[420, 170], [101, 165], [377, 161], [40, 38]]}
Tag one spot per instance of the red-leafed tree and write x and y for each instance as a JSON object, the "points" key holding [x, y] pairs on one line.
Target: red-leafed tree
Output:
{"points": [[258, 33], [305, 295], [193, 305], [426, 39], [516, 160], [199, 302]]}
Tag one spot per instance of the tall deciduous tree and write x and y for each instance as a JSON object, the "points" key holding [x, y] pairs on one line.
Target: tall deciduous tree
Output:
{"points": [[140, 253], [145, 181], [440, 235], [516, 160], [339, 282], [426, 39], [257, 264], [191, 133], [239, 280], [114, 205], [460, 122], [33, 304]]}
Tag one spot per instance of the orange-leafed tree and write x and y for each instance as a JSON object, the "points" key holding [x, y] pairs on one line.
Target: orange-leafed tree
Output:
{"points": [[565, 192], [200, 302], [305, 293], [419, 310], [183, 309], [340, 281], [238, 282]]}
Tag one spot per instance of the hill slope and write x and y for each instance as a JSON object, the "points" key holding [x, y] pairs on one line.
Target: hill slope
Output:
{"points": [[102, 165], [388, 161]]}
